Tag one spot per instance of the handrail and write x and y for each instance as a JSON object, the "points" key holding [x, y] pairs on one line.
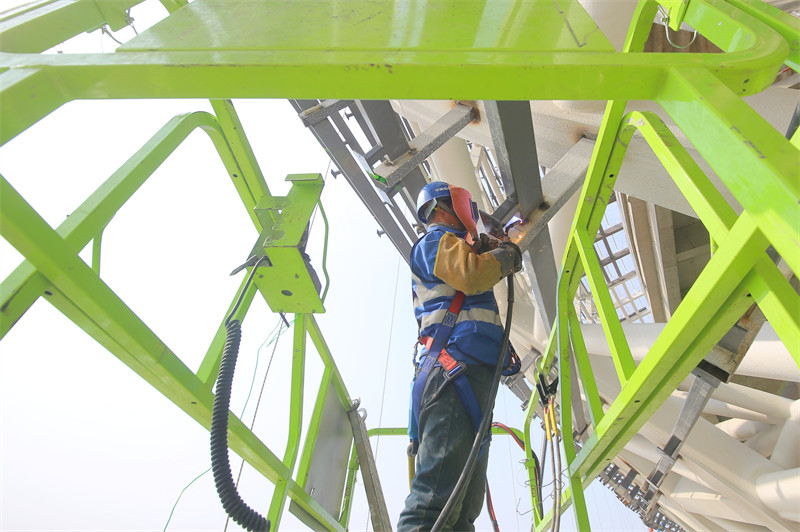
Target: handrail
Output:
{"points": [[22, 287], [754, 53], [739, 273], [53, 267]]}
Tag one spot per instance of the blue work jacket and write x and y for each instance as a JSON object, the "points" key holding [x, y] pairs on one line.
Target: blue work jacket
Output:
{"points": [[442, 263]]}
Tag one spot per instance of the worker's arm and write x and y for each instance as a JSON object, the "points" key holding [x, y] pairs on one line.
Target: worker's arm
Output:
{"points": [[463, 269]]}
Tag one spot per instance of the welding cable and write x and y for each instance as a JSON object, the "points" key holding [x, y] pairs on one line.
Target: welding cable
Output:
{"points": [[510, 433], [794, 122], [472, 459], [537, 466], [490, 507], [540, 479], [233, 504], [549, 433], [558, 467], [543, 453], [558, 484]]}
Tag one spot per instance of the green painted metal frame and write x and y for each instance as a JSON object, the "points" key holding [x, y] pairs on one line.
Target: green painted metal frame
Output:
{"points": [[374, 68], [763, 178], [54, 270], [700, 92], [393, 431]]}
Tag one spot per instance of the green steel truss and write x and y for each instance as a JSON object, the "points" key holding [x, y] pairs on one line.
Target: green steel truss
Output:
{"points": [[451, 50]]}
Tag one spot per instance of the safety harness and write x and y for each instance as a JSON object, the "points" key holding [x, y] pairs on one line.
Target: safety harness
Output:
{"points": [[453, 371]]}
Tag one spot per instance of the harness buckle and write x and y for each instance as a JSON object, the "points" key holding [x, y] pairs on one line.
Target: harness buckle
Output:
{"points": [[455, 372], [452, 369]]}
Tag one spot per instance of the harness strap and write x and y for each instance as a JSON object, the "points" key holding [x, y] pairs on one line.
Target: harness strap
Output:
{"points": [[454, 371]]}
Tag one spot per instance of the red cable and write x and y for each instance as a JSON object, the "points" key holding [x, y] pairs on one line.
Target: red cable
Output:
{"points": [[511, 432], [490, 506]]}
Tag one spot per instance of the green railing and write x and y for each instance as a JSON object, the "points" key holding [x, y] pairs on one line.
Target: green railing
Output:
{"points": [[54, 270], [700, 92], [759, 166]]}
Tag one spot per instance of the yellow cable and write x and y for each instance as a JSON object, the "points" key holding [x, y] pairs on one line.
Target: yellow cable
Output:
{"points": [[547, 425], [553, 421], [411, 471]]}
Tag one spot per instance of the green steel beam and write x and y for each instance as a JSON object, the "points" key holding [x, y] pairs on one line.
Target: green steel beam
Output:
{"points": [[295, 420], [782, 22], [38, 26], [763, 175], [715, 302], [21, 289], [96, 252], [325, 354], [313, 430], [585, 369], [620, 351], [232, 128], [92, 305], [275, 64], [173, 5], [565, 308], [349, 488]]}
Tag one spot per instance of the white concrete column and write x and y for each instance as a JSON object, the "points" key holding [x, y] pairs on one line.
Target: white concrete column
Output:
{"points": [[741, 429], [773, 406], [767, 358], [781, 492], [725, 465], [453, 164], [560, 225], [787, 447], [764, 442]]}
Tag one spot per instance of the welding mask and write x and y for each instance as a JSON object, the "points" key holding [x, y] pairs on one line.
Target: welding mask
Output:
{"points": [[464, 208]]}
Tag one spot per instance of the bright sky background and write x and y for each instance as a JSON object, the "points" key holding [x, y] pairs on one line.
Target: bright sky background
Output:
{"points": [[86, 444]]}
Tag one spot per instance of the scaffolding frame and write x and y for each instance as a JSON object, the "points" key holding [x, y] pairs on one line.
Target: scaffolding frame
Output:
{"points": [[701, 93]]}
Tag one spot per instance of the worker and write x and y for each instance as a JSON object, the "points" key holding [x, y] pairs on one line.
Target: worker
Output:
{"points": [[442, 426]]}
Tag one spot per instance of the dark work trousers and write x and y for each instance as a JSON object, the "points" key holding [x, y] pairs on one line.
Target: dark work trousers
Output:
{"points": [[446, 436]]}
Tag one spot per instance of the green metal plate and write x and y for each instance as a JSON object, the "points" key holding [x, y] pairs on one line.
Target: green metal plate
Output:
{"points": [[287, 285], [442, 26]]}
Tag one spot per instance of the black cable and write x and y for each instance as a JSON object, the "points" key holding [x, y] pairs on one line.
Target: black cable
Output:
{"points": [[541, 472], [794, 122], [472, 459], [537, 467], [220, 461], [490, 507]]}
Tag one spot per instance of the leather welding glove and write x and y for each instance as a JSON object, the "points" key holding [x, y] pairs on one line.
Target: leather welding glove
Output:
{"points": [[486, 243], [509, 256]]}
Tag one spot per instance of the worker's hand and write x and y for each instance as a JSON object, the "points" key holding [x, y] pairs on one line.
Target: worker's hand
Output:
{"points": [[509, 256], [516, 252], [486, 243]]}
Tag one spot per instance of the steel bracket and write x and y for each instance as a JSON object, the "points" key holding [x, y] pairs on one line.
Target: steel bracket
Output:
{"points": [[289, 282], [427, 142]]}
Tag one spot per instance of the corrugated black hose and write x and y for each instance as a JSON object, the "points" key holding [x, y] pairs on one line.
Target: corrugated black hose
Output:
{"points": [[233, 504]]}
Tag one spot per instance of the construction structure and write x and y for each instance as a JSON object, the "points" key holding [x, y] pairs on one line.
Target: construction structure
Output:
{"points": [[644, 155]]}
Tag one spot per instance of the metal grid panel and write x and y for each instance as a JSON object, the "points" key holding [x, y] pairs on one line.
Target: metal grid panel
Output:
{"points": [[619, 271]]}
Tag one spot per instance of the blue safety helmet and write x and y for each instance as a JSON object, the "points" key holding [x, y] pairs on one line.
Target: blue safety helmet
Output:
{"points": [[461, 204], [426, 200]]}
